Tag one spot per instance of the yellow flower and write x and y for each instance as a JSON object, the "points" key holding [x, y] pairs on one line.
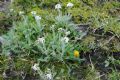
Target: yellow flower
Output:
{"points": [[76, 54]]}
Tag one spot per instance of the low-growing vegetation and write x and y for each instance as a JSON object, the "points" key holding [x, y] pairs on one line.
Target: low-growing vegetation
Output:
{"points": [[60, 40]]}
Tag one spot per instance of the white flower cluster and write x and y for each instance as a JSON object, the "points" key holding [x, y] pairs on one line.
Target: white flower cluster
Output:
{"points": [[49, 75], [58, 6], [63, 30], [37, 18], [35, 67], [69, 5], [67, 33], [41, 40], [65, 39]]}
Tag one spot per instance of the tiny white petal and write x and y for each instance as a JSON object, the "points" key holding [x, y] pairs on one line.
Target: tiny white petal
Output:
{"points": [[70, 4], [58, 6]]}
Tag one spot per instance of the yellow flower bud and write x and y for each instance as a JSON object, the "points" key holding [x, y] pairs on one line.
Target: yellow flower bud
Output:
{"points": [[76, 54]]}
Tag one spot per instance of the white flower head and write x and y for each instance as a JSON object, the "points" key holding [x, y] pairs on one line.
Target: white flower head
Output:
{"points": [[61, 30], [49, 76], [65, 39], [70, 5], [33, 12], [41, 40], [37, 18], [21, 13], [58, 6], [67, 33], [35, 67]]}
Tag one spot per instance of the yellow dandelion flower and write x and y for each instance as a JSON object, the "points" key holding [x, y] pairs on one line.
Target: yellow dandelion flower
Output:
{"points": [[76, 54]]}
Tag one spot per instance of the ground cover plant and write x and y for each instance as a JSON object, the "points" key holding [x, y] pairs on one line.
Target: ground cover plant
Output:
{"points": [[60, 40]]}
